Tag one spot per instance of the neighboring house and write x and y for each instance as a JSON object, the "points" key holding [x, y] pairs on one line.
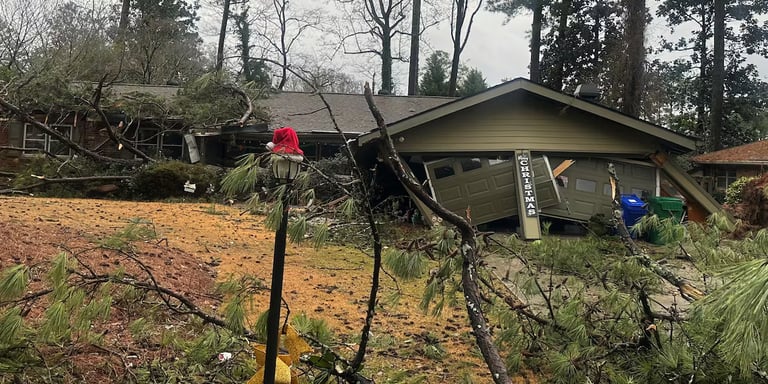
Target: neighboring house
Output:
{"points": [[525, 151], [717, 170], [171, 138]]}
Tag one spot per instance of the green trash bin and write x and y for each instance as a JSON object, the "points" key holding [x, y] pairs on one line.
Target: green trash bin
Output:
{"points": [[665, 208]]}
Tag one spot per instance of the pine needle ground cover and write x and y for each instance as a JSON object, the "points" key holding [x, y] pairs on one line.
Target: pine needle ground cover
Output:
{"points": [[191, 249]]}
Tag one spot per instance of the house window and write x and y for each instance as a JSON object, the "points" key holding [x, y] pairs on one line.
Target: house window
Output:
{"points": [[156, 143], [470, 164], [443, 171], [725, 177], [36, 138], [584, 185]]}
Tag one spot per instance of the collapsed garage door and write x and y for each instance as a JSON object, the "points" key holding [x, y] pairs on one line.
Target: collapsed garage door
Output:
{"points": [[486, 187], [585, 189]]}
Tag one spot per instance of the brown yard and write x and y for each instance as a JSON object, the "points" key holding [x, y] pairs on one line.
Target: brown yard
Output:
{"points": [[207, 243]]}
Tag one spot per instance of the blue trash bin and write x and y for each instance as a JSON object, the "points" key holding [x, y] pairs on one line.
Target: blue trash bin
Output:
{"points": [[633, 209]]}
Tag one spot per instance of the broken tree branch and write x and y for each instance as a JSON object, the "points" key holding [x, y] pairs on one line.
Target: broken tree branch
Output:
{"points": [[468, 248], [77, 148], [687, 290], [118, 139], [44, 181]]}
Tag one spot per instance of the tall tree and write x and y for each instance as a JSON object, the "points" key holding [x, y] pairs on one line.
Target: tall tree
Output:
{"points": [[555, 78], [718, 75], [222, 36], [459, 13], [22, 27], [635, 59], [413, 61], [125, 11], [162, 42], [378, 28], [434, 79], [512, 8]]}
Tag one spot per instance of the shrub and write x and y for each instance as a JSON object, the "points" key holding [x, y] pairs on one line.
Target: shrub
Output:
{"points": [[167, 178], [733, 194]]}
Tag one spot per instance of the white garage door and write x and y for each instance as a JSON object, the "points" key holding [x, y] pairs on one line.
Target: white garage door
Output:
{"points": [[486, 187], [585, 187]]}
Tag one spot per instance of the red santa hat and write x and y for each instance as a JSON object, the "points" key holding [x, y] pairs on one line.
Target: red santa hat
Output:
{"points": [[284, 140]]}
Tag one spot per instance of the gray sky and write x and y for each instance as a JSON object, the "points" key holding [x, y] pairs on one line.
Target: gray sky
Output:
{"points": [[499, 50]]}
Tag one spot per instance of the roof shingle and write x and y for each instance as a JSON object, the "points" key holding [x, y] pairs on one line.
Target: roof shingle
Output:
{"points": [[752, 153]]}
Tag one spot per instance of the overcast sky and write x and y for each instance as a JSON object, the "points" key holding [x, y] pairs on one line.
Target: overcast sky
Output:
{"points": [[498, 49]]}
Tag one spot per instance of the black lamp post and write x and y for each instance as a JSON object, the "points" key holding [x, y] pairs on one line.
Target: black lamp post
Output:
{"points": [[285, 167]]}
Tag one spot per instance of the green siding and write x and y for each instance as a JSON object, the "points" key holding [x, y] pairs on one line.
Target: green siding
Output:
{"points": [[509, 122]]}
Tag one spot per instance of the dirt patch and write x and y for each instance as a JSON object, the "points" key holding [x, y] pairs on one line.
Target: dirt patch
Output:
{"points": [[332, 283]]}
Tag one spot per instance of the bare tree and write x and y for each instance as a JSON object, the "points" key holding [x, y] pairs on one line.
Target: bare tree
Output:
{"points": [[22, 30], [280, 25], [376, 28], [459, 12]]}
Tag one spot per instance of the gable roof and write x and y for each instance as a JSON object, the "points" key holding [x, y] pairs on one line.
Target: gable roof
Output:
{"points": [[752, 153], [680, 142], [306, 113]]}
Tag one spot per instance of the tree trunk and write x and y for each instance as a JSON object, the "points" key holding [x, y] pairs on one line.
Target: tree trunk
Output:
{"points": [[222, 37], [386, 63], [125, 10], [701, 44], [413, 66], [635, 69], [461, 13], [718, 77], [468, 250], [538, 16]]}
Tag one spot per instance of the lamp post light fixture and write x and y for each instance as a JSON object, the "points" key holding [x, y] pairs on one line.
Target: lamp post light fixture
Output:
{"points": [[286, 164]]}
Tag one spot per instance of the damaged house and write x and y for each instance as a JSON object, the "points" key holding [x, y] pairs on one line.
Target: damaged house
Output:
{"points": [[523, 151]]}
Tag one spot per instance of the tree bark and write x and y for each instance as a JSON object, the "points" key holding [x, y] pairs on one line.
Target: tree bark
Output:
{"points": [[386, 63], [125, 10], [222, 37], [635, 68], [413, 65], [468, 249], [461, 12], [718, 77]]}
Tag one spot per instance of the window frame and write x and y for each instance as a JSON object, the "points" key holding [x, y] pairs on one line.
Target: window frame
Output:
{"points": [[46, 139]]}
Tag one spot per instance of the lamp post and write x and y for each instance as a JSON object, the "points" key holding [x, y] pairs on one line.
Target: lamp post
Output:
{"points": [[286, 163]]}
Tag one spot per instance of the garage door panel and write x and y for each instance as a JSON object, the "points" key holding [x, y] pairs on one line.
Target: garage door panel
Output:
{"points": [[586, 192], [489, 191], [478, 187], [450, 193]]}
